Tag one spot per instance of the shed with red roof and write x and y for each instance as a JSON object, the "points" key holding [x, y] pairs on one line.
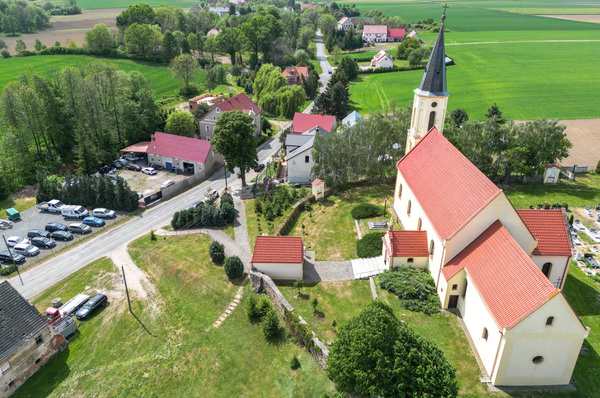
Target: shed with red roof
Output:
{"points": [[405, 248], [280, 257]]}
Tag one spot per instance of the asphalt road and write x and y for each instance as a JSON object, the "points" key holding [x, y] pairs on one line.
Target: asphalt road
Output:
{"points": [[322, 58], [47, 274]]}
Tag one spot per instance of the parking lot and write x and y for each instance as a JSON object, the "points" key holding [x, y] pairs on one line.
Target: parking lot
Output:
{"points": [[147, 184], [33, 218]]}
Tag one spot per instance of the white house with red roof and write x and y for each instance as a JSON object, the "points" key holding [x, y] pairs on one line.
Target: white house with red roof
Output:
{"points": [[280, 257], [375, 33], [303, 122], [177, 152], [382, 60], [345, 24], [239, 102], [307, 5], [501, 269]]}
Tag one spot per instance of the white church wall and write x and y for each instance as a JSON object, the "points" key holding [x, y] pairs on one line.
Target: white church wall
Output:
{"points": [[417, 262], [498, 209], [477, 317], [559, 345], [557, 272], [454, 287]]}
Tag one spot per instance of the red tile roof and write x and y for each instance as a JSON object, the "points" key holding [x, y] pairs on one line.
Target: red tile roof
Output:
{"points": [[239, 102], [306, 5], [176, 146], [396, 33], [295, 71], [408, 243], [509, 283], [344, 19], [549, 227], [278, 249], [373, 29], [140, 147], [303, 122], [449, 188], [317, 182]]}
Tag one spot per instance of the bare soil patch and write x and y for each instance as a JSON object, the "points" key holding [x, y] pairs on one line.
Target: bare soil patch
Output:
{"points": [[580, 18], [68, 27], [585, 136]]}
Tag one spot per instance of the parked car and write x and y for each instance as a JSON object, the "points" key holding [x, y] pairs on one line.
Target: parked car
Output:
{"points": [[211, 194], [80, 228], [101, 212], [104, 170], [91, 305], [74, 211], [44, 243], [12, 241], [259, 168], [133, 167], [26, 249], [117, 164], [156, 166], [94, 221], [132, 158], [196, 204], [5, 257], [52, 206], [149, 171], [38, 232], [61, 235], [55, 226], [167, 184]]}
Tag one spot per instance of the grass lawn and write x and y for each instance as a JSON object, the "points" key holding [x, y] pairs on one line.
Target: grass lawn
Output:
{"points": [[329, 228], [93, 4], [583, 191], [251, 221], [114, 356], [18, 203]]}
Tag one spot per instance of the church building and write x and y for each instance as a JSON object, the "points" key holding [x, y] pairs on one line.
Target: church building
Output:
{"points": [[501, 269]]}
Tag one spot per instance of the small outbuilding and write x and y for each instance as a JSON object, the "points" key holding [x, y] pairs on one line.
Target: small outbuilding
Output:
{"points": [[280, 257], [405, 248], [318, 189], [551, 174]]}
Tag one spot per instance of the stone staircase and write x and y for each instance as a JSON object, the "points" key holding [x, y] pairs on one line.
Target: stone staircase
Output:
{"points": [[364, 268]]}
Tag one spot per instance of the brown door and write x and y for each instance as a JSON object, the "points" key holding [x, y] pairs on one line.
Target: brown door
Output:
{"points": [[453, 302]]}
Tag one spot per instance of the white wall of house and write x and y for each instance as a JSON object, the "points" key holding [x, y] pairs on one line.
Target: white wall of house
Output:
{"points": [[281, 270], [558, 270], [199, 167], [559, 344], [299, 167], [477, 317], [418, 262], [207, 124], [454, 287], [375, 37], [385, 62], [346, 26]]}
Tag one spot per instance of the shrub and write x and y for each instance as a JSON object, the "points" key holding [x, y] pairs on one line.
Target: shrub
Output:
{"points": [[263, 306], [270, 324], [227, 212], [252, 309], [370, 245], [5, 54], [571, 220], [597, 166], [234, 268], [314, 303], [258, 206], [365, 210], [216, 252], [294, 363], [4, 271], [415, 289], [547, 205], [565, 206], [226, 198], [152, 235]]}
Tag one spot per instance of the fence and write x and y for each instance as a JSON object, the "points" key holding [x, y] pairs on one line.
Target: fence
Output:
{"points": [[183, 184]]}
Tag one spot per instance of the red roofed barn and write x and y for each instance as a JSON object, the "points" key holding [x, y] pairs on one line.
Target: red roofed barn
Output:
{"points": [[239, 102], [280, 257], [501, 269]]}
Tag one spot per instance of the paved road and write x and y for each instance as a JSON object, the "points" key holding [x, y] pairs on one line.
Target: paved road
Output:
{"points": [[47, 274], [322, 58]]}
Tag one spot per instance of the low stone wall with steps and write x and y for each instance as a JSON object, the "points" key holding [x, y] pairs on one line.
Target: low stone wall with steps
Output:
{"points": [[263, 282]]}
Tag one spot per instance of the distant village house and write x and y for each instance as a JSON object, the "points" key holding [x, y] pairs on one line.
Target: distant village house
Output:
{"points": [[239, 102], [382, 60], [295, 74]]}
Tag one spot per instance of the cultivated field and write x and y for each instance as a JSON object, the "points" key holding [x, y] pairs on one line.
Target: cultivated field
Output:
{"points": [[67, 27]]}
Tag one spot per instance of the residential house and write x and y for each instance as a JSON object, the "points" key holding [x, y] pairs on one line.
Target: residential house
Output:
{"points": [[195, 9], [28, 341], [306, 5], [375, 33], [295, 74], [213, 32], [395, 35], [208, 99], [345, 24], [180, 153], [350, 120], [299, 154], [239, 102], [222, 11], [302, 122], [415, 35], [280, 257], [500, 269], [237, 2], [382, 60]]}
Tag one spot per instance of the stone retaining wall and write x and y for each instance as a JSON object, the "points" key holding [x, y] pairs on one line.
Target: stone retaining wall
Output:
{"points": [[263, 282]]}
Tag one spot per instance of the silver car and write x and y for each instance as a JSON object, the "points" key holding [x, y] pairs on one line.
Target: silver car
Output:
{"points": [[12, 241], [103, 213], [27, 250]]}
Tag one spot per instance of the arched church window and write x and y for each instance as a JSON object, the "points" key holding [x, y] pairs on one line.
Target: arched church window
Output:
{"points": [[419, 224], [400, 191], [408, 208], [484, 335], [431, 120], [546, 268], [431, 247], [550, 321]]}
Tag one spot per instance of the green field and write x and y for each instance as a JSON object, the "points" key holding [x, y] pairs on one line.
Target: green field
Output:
{"points": [[549, 82]]}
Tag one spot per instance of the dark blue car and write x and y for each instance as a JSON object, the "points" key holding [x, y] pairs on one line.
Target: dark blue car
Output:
{"points": [[56, 226]]}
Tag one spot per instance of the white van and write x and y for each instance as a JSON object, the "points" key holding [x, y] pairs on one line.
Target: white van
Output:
{"points": [[74, 211]]}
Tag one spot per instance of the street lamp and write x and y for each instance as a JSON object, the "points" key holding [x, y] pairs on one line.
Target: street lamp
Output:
{"points": [[385, 206]]}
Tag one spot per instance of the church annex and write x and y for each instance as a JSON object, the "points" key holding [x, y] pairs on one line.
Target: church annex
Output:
{"points": [[501, 269]]}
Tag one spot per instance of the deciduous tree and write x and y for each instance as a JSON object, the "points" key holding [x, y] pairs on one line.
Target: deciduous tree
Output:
{"points": [[186, 69], [142, 39], [99, 39], [181, 123]]}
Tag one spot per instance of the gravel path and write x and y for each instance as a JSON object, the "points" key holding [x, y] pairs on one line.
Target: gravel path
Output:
{"points": [[239, 224]]}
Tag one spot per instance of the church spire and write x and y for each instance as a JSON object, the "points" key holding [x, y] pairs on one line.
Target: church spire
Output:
{"points": [[433, 81]]}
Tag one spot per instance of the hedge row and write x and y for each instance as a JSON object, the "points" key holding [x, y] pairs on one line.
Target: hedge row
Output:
{"points": [[370, 245], [5, 271], [206, 215], [387, 70], [366, 210]]}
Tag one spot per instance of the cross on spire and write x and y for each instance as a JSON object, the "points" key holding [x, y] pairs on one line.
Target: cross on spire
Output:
{"points": [[445, 6]]}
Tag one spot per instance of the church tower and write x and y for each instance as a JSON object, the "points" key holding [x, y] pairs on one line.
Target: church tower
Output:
{"points": [[431, 98]]}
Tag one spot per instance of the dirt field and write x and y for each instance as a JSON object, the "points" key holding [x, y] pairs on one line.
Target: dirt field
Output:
{"points": [[67, 27], [581, 18], [585, 136]]}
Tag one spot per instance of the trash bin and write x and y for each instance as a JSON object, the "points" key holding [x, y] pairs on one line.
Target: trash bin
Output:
{"points": [[13, 214]]}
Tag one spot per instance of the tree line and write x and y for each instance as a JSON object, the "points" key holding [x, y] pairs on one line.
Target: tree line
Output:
{"points": [[20, 17], [92, 106]]}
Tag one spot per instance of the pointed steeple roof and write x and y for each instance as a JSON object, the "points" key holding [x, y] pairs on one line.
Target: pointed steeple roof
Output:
{"points": [[433, 82]]}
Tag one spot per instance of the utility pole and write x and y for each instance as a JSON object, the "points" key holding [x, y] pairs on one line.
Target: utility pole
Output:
{"points": [[126, 290], [385, 206], [13, 259]]}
